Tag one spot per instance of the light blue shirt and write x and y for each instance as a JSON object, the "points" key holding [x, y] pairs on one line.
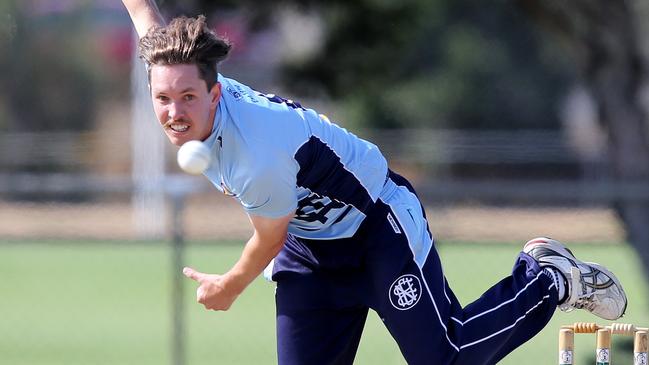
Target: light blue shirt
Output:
{"points": [[277, 157]]}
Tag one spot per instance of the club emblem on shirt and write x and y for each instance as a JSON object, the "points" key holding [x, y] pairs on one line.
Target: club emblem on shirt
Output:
{"points": [[405, 292]]}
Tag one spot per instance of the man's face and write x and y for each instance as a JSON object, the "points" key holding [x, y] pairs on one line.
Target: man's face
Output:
{"points": [[182, 103]]}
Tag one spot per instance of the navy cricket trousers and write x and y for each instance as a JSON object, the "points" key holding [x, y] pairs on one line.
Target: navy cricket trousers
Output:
{"points": [[325, 289]]}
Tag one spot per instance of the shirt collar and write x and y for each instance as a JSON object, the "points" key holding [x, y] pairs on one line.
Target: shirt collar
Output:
{"points": [[217, 127]]}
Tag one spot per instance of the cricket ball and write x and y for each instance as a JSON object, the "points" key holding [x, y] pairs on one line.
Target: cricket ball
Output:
{"points": [[194, 157]]}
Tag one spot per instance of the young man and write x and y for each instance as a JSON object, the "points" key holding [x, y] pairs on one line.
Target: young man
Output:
{"points": [[336, 229]]}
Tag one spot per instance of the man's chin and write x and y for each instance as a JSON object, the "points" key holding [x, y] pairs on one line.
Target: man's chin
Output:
{"points": [[177, 140]]}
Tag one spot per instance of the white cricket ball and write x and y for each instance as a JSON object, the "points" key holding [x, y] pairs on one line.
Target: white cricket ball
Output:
{"points": [[194, 157]]}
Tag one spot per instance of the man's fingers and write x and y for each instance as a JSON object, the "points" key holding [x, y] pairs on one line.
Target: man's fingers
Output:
{"points": [[200, 295], [193, 274]]}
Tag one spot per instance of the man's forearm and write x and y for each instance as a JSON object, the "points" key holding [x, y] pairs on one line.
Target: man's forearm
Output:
{"points": [[144, 14], [254, 258]]}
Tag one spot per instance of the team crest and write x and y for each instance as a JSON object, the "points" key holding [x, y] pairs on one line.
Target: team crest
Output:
{"points": [[405, 292]]}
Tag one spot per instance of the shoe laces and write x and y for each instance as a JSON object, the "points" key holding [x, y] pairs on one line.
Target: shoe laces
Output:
{"points": [[584, 299]]}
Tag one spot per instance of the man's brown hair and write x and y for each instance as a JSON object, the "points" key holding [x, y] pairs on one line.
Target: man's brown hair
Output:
{"points": [[185, 41]]}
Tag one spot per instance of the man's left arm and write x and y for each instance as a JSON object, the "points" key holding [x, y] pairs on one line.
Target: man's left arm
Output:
{"points": [[218, 292]]}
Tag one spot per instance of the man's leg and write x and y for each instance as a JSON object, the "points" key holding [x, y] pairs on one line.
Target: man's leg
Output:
{"points": [[411, 294], [320, 314], [311, 332], [507, 315], [428, 323]]}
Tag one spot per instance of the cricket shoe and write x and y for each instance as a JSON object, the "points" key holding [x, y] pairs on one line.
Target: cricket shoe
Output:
{"points": [[589, 285]]}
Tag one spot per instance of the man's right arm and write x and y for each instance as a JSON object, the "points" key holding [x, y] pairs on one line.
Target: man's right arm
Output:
{"points": [[144, 14]]}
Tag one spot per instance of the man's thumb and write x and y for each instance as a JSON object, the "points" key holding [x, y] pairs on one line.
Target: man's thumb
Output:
{"points": [[193, 274]]}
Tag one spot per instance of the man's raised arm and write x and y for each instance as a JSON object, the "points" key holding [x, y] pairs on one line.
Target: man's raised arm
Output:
{"points": [[144, 14]]}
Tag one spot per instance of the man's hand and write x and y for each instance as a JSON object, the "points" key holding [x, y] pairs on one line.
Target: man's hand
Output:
{"points": [[213, 291], [218, 292]]}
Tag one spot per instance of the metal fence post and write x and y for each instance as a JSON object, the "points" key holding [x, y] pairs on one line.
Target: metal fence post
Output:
{"points": [[178, 250]]}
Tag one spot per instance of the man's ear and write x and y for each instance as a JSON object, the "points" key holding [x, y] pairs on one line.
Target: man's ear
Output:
{"points": [[215, 94]]}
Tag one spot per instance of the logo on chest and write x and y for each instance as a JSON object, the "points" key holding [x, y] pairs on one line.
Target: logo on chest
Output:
{"points": [[405, 292]]}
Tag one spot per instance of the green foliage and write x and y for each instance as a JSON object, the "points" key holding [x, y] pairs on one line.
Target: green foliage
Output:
{"points": [[435, 63], [424, 63]]}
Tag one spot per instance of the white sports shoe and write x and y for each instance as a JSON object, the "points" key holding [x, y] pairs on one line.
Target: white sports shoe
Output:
{"points": [[589, 286]]}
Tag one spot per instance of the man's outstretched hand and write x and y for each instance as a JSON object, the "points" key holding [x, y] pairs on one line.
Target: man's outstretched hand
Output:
{"points": [[213, 291], [218, 292]]}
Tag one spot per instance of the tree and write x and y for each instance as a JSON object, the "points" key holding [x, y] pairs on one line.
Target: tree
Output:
{"points": [[421, 63], [604, 39]]}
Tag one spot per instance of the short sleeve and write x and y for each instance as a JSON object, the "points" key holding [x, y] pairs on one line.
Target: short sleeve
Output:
{"points": [[269, 193]]}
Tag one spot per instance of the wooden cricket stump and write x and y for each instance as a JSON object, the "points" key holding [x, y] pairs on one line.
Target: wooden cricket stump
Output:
{"points": [[566, 346], [640, 348], [603, 350], [604, 336]]}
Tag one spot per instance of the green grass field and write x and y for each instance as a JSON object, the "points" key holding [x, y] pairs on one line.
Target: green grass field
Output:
{"points": [[106, 303]]}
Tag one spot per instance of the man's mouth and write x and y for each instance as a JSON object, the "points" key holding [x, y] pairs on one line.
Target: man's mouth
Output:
{"points": [[177, 126]]}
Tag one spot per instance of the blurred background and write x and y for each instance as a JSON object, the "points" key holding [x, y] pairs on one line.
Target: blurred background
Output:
{"points": [[513, 119]]}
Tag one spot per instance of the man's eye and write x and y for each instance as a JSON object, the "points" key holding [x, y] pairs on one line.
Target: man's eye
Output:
{"points": [[163, 98], [189, 97]]}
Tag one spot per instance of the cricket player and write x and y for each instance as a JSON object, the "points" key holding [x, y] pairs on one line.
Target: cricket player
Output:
{"points": [[338, 231]]}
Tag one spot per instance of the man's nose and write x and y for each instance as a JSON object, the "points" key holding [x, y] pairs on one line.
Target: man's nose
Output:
{"points": [[175, 111]]}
